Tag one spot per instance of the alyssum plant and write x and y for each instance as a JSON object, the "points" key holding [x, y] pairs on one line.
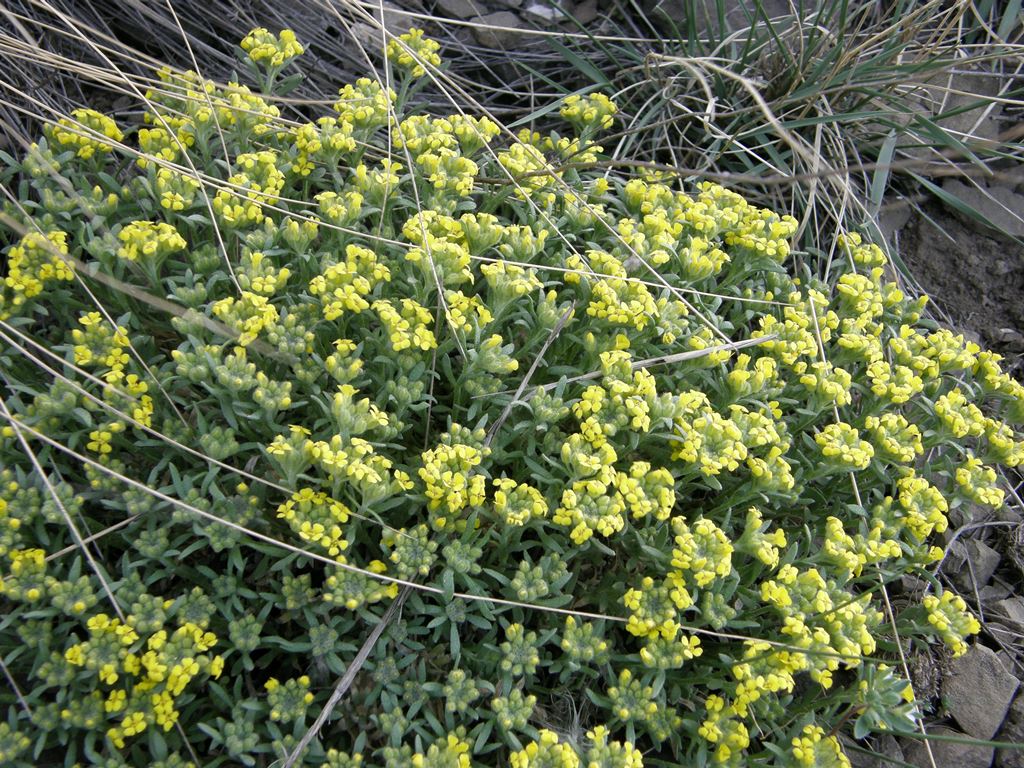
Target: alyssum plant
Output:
{"points": [[262, 379]]}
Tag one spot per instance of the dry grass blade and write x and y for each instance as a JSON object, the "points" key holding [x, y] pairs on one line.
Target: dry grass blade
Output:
{"points": [[342, 686], [676, 357], [529, 374]]}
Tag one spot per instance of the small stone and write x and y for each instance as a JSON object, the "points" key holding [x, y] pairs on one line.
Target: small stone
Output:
{"points": [[1012, 732], [396, 21], [1000, 205], [1008, 514], [1010, 338], [461, 9], [912, 584], [586, 12], [977, 568], [947, 753], [967, 513], [978, 692], [997, 590], [886, 749], [1007, 660], [498, 30], [1011, 612], [546, 12], [970, 335], [1003, 267], [507, 3], [892, 219]]}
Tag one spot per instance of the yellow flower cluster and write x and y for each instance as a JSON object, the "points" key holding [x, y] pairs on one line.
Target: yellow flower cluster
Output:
{"points": [[815, 749], [959, 416], [343, 364], [450, 484], [518, 503], [997, 382], [613, 297], [705, 437], [259, 275], [268, 49], [176, 190], [466, 313], [420, 134], [446, 261], [702, 552], [100, 346], [948, 614], [796, 331], [861, 253], [978, 482], [827, 383], [365, 105], [356, 461], [531, 172], [37, 259], [841, 444], [923, 506], [817, 616], [646, 491], [507, 282], [545, 752], [288, 701], [749, 376], [623, 400], [408, 327], [317, 518], [191, 107], [157, 144], [1003, 448], [27, 579], [450, 752], [261, 181], [895, 438], [724, 731], [413, 51], [341, 210], [654, 607], [247, 315], [587, 506], [154, 672], [84, 132], [589, 112], [344, 286], [448, 171], [149, 241], [758, 542]]}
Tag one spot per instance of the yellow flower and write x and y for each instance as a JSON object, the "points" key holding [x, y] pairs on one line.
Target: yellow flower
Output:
{"points": [[271, 50], [411, 51], [81, 132]]}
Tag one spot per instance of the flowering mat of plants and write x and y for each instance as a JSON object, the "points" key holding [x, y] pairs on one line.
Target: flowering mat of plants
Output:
{"points": [[393, 439]]}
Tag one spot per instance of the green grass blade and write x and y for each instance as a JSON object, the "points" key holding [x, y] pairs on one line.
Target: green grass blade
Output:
{"points": [[880, 178]]}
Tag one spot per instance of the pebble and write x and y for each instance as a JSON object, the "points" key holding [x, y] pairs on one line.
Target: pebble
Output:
{"points": [[978, 692]]}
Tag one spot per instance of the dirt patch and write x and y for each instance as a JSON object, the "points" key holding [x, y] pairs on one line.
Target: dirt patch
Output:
{"points": [[974, 276]]}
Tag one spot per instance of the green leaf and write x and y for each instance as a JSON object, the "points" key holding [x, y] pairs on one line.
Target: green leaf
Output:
{"points": [[1012, 19], [880, 178], [455, 644], [448, 584]]}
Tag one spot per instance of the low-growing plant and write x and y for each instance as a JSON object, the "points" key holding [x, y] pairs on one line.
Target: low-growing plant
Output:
{"points": [[549, 466]]}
